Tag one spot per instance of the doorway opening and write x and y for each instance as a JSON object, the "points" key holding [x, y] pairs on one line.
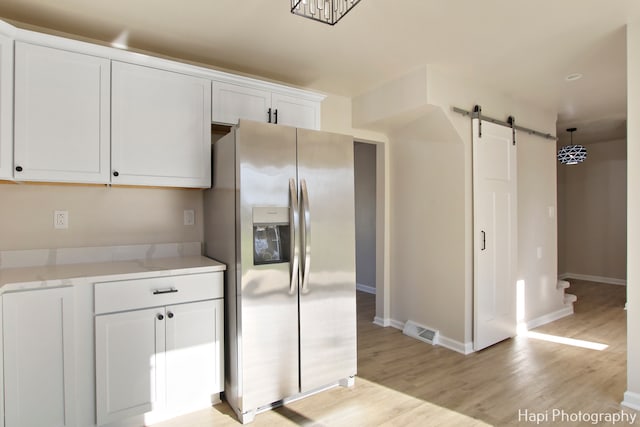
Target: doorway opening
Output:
{"points": [[371, 225]]}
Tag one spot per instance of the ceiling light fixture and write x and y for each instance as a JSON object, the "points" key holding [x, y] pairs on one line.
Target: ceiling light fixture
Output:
{"points": [[572, 154], [327, 11]]}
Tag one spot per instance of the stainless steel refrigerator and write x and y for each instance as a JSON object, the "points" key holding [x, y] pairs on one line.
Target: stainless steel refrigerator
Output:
{"points": [[280, 214]]}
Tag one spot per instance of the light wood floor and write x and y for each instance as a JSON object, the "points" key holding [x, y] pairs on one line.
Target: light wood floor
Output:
{"points": [[404, 382]]}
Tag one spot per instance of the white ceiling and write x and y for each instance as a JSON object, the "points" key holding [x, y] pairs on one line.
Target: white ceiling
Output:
{"points": [[522, 48]]}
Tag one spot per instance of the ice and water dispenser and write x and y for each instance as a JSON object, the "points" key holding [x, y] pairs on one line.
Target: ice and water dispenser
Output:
{"points": [[271, 238]]}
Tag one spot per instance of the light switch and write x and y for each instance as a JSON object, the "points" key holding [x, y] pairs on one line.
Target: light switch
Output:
{"points": [[189, 217]]}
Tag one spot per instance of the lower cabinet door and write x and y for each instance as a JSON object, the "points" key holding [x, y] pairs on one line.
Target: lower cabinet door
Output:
{"points": [[194, 346], [38, 358], [129, 361]]}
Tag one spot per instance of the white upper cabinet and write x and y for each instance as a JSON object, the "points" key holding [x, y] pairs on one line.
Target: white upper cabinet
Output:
{"points": [[296, 112], [6, 107], [234, 101], [77, 112], [161, 127], [61, 115]]}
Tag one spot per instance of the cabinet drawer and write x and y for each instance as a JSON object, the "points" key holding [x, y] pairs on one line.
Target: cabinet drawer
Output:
{"points": [[134, 294]]}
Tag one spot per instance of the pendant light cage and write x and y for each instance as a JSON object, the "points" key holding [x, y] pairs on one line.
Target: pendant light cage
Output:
{"points": [[572, 154], [327, 11]]}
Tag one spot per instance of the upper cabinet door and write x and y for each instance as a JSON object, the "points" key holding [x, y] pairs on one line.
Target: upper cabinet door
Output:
{"points": [[296, 112], [61, 115], [161, 127], [6, 107], [232, 102]]}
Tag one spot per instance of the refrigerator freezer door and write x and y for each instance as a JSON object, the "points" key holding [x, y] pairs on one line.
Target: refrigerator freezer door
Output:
{"points": [[267, 334], [327, 301]]}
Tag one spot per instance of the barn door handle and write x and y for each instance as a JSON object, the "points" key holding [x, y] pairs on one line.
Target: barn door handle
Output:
{"points": [[484, 240]]}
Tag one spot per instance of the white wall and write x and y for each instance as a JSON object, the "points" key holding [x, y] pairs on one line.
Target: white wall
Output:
{"points": [[593, 212], [632, 396], [98, 216]]}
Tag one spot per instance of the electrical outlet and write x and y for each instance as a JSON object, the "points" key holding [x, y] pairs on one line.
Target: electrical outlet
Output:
{"points": [[61, 219], [189, 217]]}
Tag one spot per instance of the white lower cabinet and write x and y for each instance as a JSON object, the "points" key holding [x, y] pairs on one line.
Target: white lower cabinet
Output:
{"points": [[160, 361], [126, 365], [193, 352], [39, 369]]}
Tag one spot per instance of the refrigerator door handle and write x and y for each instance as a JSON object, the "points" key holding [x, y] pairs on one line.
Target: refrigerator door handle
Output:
{"points": [[294, 220], [306, 236]]}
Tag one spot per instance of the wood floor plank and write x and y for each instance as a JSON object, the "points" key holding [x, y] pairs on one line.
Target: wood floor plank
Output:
{"points": [[405, 382]]}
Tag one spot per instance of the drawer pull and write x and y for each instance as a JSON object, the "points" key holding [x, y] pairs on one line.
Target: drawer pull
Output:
{"points": [[165, 291]]}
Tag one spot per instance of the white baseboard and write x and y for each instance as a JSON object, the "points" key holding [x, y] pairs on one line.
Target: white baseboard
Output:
{"points": [[550, 317], [589, 278], [457, 346], [381, 321], [365, 288], [631, 400], [396, 324]]}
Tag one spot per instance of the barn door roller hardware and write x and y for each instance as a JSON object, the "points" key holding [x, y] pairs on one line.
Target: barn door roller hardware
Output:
{"points": [[476, 113]]}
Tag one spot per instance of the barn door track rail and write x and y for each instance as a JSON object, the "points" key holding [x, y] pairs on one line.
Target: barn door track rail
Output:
{"points": [[476, 113]]}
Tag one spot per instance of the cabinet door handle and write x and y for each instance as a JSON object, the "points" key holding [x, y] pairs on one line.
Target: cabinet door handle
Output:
{"points": [[170, 315], [269, 114], [18, 168], [116, 173], [275, 113], [484, 240], [160, 317], [165, 291]]}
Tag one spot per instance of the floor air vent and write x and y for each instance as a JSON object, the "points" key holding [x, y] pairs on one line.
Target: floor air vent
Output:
{"points": [[421, 333]]}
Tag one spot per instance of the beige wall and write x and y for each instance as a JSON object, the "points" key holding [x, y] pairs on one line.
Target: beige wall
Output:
{"points": [[428, 225], [98, 216], [536, 187], [632, 396], [431, 200], [336, 117], [365, 195], [593, 236], [537, 231]]}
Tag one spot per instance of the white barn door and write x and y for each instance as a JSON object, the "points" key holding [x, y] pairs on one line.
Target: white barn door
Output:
{"points": [[495, 233]]}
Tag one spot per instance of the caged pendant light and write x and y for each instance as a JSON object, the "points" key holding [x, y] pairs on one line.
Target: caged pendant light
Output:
{"points": [[572, 154], [327, 11]]}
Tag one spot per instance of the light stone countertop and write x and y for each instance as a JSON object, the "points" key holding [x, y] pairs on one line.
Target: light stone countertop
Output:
{"points": [[22, 278]]}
